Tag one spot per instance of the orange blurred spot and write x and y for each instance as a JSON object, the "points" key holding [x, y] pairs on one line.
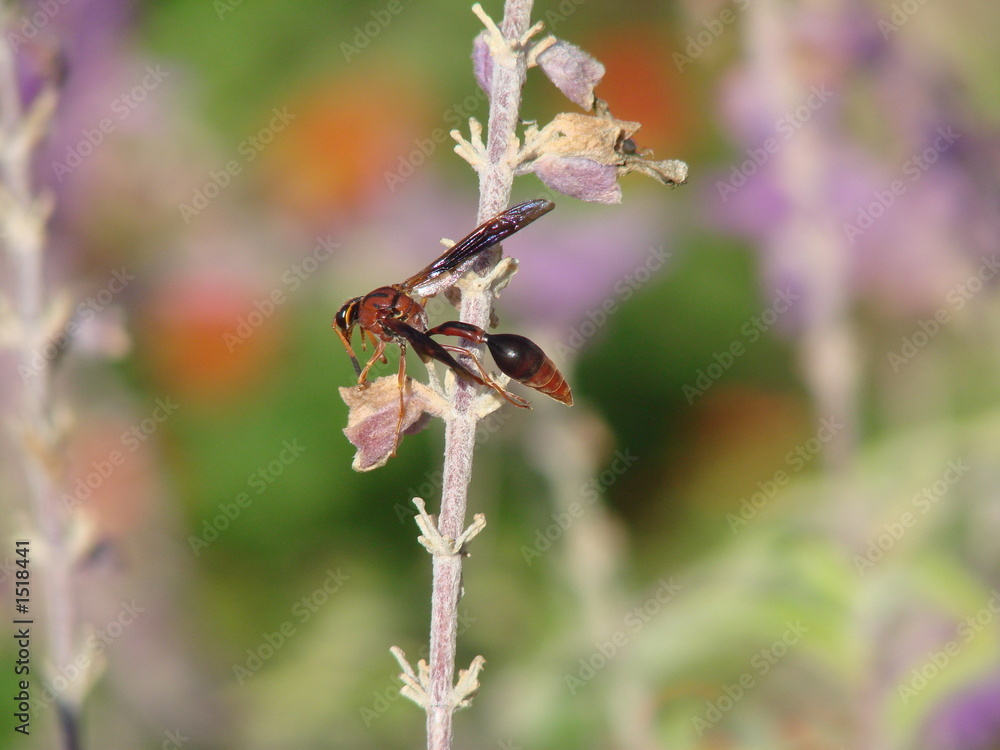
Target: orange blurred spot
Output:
{"points": [[739, 435], [210, 337], [642, 84], [345, 136]]}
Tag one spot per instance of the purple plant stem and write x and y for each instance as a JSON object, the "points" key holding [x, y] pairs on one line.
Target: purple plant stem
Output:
{"points": [[39, 439], [495, 181]]}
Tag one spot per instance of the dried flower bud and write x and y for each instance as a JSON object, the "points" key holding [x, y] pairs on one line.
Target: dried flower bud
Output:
{"points": [[373, 413], [482, 62], [573, 71], [670, 172], [571, 134], [568, 155]]}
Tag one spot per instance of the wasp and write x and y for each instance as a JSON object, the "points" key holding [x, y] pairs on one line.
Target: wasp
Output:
{"points": [[395, 315]]}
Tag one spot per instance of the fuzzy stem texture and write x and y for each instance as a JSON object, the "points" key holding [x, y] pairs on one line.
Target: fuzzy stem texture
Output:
{"points": [[23, 216], [496, 178]]}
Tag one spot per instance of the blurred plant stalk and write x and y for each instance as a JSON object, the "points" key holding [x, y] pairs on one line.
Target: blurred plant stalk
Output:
{"points": [[28, 316]]}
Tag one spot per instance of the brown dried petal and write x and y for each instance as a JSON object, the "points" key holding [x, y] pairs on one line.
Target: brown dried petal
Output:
{"points": [[580, 178], [373, 413], [573, 71], [482, 62], [595, 138]]}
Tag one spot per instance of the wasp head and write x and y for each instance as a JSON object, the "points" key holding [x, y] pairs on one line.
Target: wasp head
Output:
{"points": [[343, 323]]}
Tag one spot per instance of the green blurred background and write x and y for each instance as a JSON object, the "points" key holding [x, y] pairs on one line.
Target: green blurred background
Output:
{"points": [[786, 544]]}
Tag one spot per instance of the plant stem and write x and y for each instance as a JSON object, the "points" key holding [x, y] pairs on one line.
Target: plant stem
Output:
{"points": [[496, 178], [23, 216]]}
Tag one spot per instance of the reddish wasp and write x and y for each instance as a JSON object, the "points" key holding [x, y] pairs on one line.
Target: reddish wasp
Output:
{"points": [[392, 314]]}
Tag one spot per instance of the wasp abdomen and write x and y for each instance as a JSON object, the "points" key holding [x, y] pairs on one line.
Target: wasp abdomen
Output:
{"points": [[524, 361]]}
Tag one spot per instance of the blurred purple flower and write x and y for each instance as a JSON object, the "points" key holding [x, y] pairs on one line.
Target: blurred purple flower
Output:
{"points": [[894, 220], [575, 265], [802, 179], [969, 720]]}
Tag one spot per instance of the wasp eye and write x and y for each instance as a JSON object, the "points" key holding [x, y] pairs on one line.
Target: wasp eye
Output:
{"points": [[346, 315]]}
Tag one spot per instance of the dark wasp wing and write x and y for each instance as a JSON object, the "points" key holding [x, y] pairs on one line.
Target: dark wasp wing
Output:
{"points": [[487, 234]]}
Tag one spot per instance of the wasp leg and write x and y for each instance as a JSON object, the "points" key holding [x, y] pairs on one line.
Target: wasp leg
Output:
{"points": [[476, 335], [350, 350], [429, 349], [517, 357], [487, 380], [378, 355], [401, 381], [375, 340]]}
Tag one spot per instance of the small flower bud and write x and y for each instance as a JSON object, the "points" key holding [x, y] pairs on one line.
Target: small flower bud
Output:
{"points": [[482, 62], [573, 71]]}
